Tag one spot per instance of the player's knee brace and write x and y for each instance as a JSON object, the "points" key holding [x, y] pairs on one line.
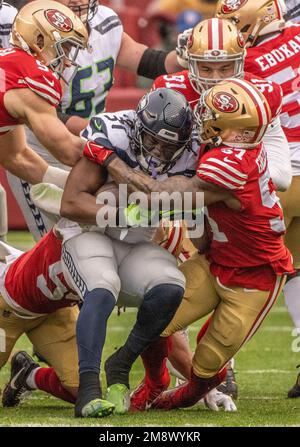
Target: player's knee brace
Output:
{"points": [[155, 313], [91, 328]]}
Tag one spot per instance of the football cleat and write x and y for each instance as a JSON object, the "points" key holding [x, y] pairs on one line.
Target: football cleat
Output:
{"points": [[97, 408], [295, 390], [119, 396], [146, 392], [16, 389], [229, 386]]}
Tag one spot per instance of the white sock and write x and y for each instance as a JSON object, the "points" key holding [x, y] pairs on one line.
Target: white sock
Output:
{"points": [[291, 293], [30, 381]]}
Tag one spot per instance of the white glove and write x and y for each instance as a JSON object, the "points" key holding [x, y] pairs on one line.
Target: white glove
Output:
{"points": [[215, 399], [181, 49]]}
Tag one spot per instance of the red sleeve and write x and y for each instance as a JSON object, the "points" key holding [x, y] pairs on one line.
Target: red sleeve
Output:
{"points": [[225, 167], [96, 153], [159, 82], [271, 91], [41, 80]]}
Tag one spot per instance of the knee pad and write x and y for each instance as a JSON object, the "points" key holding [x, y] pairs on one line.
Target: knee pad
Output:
{"points": [[89, 263], [208, 360]]}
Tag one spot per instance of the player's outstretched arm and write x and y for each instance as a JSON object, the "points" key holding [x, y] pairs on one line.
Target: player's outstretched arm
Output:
{"points": [[17, 158], [41, 117], [138, 181], [148, 62], [79, 201]]}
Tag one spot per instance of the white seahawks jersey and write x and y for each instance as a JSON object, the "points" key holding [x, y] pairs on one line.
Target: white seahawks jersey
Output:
{"points": [[85, 95], [115, 131], [293, 10], [7, 16]]}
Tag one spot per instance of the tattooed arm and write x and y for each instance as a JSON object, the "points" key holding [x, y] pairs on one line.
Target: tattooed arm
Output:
{"points": [[138, 181]]}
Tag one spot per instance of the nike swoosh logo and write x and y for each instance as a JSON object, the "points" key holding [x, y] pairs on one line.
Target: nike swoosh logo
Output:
{"points": [[13, 381], [51, 83], [230, 161], [97, 125]]}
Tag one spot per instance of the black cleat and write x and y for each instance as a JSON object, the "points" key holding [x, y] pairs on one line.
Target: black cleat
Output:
{"points": [[229, 385], [295, 391], [21, 366]]}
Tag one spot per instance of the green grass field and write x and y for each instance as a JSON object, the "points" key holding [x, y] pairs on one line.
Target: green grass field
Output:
{"points": [[265, 371]]}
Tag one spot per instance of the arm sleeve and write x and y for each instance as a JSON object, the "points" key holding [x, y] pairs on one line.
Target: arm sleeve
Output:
{"points": [[278, 154]]}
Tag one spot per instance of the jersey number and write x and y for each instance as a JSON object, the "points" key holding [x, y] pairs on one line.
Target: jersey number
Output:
{"points": [[83, 103], [60, 291]]}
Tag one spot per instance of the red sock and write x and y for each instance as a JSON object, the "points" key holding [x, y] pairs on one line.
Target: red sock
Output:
{"points": [[195, 389], [154, 359], [203, 330], [47, 380]]}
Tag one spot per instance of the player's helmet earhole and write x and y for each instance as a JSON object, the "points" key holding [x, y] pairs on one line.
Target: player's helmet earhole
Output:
{"points": [[243, 109], [40, 41]]}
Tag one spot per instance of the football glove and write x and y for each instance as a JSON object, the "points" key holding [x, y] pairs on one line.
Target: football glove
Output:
{"points": [[181, 49], [216, 399]]}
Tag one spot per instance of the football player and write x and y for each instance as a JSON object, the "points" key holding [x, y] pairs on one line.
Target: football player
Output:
{"points": [[36, 300], [86, 93], [216, 50], [273, 54], [242, 210], [43, 34], [146, 275], [7, 15]]}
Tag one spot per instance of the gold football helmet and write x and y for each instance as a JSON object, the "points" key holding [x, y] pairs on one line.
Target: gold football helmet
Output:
{"points": [[49, 30], [233, 113], [214, 40], [253, 17]]}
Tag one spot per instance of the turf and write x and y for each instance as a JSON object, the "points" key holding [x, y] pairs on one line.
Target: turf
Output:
{"points": [[265, 371]]}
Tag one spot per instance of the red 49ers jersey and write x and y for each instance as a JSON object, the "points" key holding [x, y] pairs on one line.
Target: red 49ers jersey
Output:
{"points": [[251, 238], [19, 69], [277, 59], [180, 81], [35, 280]]}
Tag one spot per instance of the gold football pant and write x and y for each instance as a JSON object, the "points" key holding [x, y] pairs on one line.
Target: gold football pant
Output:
{"points": [[290, 202], [53, 336], [237, 315]]}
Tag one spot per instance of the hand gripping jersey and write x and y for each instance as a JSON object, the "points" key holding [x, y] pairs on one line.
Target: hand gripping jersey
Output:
{"points": [[247, 247], [86, 94], [35, 281], [7, 15], [19, 69], [180, 81], [277, 59]]}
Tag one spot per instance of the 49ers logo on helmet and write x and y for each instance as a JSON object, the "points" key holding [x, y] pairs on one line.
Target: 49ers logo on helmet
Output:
{"points": [[230, 6], [225, 102], [59, 20]]}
